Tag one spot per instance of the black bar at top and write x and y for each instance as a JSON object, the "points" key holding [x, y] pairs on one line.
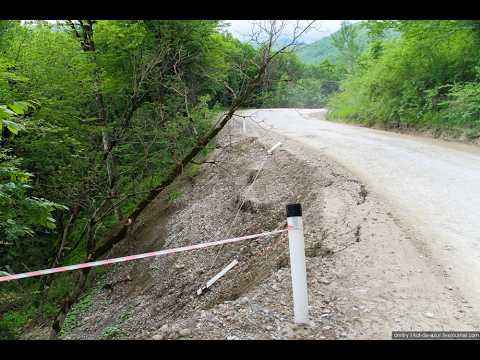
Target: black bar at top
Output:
{"points": [[294, 210]]}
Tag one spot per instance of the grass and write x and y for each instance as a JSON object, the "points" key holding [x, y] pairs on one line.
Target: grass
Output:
{"points": [[72, 320], [13, 322], [111, 332], [173, 196], [28, 307]]}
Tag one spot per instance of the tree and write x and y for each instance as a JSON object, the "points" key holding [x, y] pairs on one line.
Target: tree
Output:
{"points": [[266, 56], [345, 40], [424, 79], [20, 213]]}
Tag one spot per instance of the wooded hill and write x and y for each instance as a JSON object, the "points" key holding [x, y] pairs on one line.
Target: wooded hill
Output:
{"points": [[325, 49]]}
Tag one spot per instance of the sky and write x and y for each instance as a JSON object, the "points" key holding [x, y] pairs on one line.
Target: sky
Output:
{"points": [[321, 28]]}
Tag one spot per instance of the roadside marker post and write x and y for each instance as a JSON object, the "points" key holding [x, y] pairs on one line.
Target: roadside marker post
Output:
{"points": [[296, 245], [270, 152], [216, 277]]}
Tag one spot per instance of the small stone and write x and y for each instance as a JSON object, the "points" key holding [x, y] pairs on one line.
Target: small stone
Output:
{"points": [[429, 314], [185, 332], [174, 329], [179, 266], [244, 300], [158, 337]]}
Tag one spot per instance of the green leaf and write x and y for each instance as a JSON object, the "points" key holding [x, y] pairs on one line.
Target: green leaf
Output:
{"points": [[5, 113], [13, 126], [19, 107]]}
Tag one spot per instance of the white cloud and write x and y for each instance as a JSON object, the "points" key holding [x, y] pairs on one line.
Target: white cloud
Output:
{"points": [[321, 28]]}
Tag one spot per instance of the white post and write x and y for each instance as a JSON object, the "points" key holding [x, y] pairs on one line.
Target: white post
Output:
{"points": [[297, 263], [270, 152], [244, 128], [218, 276]]}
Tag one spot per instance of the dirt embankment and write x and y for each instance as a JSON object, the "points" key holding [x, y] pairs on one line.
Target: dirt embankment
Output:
{"points": [[351, 294], [455, 135]]}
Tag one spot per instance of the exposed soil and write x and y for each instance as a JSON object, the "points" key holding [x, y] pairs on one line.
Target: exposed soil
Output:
{"points": [[363, 280]]}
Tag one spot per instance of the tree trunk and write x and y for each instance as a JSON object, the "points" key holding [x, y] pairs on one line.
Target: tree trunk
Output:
{"points": [[174, 173]]}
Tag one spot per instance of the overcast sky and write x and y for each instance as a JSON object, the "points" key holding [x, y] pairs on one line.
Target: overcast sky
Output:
{"points": [[321, 28]]}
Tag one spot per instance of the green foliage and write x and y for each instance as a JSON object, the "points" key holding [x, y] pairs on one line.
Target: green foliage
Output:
{"points": [[20, 213], [13, 322], [293, 84], [462, 107], [325, 49], [425, 79], [146, 88], [162, 84], [111, 332], [346, 42], [72, 321], [173, 195]]}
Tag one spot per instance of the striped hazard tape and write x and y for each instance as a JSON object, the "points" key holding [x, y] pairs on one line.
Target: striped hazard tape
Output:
{"points": [[136, 257]]}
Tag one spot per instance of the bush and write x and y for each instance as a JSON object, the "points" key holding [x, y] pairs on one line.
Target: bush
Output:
{"points": [[408, 85], [463, 105]]}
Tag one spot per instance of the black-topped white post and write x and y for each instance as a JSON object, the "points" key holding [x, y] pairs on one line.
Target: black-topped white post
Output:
{"points": [[298, 269]]}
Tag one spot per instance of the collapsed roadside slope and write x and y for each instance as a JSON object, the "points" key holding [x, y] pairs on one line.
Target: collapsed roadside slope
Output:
{"points": [[352, 294]]}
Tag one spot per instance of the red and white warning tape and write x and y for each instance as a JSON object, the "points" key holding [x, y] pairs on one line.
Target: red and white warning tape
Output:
{"points": [[135, 257]]}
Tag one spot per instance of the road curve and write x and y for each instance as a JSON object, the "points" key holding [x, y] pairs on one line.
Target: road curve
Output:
{"points": [[433, 185]]}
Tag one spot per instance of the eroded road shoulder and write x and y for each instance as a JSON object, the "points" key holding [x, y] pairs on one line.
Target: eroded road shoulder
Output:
{"points": [[382, 281]]}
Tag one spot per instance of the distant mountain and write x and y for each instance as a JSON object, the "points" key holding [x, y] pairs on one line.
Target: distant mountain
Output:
{"points": [[283, 41], [323, 49]]}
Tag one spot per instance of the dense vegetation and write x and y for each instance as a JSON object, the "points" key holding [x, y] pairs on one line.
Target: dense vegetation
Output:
{"points": [[94, 117], [428, 78]]}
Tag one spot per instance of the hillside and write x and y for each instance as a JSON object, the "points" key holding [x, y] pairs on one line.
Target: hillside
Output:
{"points": [[323, 49], [365, 276]]}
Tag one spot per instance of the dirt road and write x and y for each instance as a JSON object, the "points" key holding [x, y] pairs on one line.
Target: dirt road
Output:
{"points": [[432, 188]]}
